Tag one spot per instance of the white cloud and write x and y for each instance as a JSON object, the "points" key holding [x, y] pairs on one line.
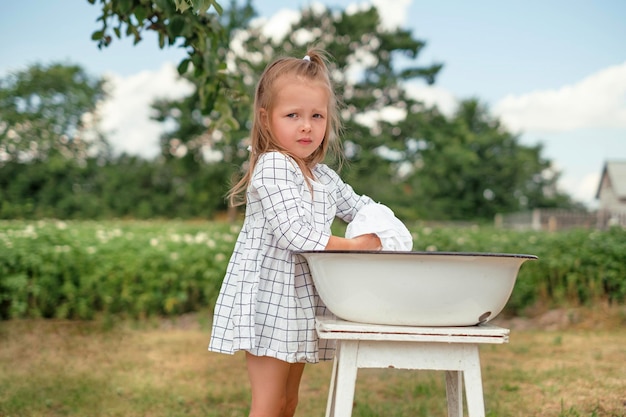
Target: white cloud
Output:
{"points": [[393, 13], [277, 26], [388, 114], [126, 114], [581, 188], [578, 125], [431, 95], [598, 101]]}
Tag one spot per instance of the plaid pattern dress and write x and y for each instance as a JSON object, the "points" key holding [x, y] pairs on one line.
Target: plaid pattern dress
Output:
{"points": [[267, 304]]}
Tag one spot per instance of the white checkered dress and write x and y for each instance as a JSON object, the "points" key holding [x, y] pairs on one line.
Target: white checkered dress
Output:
{"points": [[267, 304]]}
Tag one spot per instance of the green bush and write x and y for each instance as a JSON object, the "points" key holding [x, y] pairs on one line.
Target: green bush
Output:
{"points": [[140, 269], [575, 267], [134, 269]]}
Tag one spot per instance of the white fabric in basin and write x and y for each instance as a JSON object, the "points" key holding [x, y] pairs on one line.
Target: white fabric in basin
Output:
{"points": [[380, 220]]}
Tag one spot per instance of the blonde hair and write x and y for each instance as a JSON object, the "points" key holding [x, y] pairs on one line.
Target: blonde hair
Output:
{"points": [[313, 67]]}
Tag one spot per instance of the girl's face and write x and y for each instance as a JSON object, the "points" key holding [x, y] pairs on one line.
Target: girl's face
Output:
{"points": [[299, 117]]}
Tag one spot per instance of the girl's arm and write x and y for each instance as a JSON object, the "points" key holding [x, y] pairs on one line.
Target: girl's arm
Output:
{"points": [[275, 194], [363, 242], [348, 202]]}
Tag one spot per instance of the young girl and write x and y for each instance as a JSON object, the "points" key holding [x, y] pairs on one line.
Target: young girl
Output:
{"points": [[267, 304]]}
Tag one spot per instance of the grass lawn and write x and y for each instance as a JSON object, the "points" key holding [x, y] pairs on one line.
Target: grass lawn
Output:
{"points": [[569, 363]]}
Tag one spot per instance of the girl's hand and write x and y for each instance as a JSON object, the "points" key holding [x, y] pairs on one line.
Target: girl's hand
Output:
{"points": [[367, 242], [364, 242]]}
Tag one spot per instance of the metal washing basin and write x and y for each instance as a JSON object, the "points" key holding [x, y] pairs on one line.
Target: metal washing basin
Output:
{"points": [[415, 288]]}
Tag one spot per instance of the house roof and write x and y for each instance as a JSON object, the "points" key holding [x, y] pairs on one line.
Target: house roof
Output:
{"points": [[616, 171]]}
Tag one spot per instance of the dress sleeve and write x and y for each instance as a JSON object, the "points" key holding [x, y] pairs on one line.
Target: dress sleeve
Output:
{"points": [[277, 184], [348, 202]]}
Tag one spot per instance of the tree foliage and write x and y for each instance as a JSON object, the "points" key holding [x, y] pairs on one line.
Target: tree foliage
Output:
{"points": [[193, 25], [363, 70], [55, 163], [199, 133], [422, 163], [469, 166], [48, 111]]}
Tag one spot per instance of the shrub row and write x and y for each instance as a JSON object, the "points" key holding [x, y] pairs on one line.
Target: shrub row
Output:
{"points": [[134, 269], [139, 269], [575, 267]]}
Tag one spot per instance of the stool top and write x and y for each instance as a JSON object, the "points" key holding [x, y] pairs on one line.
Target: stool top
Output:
{"points": [[332, 328]]}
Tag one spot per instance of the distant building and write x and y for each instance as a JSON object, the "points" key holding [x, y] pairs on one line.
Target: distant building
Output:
{"points": [[611, 193], [611, 196]]}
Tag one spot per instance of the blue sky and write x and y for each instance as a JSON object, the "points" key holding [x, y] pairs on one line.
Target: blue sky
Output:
{"points": [[553, 71]]}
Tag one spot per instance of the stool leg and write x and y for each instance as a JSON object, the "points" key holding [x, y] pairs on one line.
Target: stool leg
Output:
{"points": [[345, 381], [473, 383], [454, 393], [332, 390]]}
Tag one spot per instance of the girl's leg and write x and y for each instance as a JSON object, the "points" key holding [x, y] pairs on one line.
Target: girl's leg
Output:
{"points": [[293, 387], [274, 385]]}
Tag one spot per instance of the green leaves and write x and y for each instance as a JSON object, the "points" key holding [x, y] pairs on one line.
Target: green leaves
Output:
{"points": [[199, 6], [467, 166], [176, 26], [41, 113], [78, 270]]}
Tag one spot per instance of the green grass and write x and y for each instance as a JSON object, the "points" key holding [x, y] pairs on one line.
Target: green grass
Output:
{"points": [[122, 359], [161, 368]]}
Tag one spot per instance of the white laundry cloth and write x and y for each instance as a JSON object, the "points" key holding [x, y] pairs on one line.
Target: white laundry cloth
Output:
{"points": [[379, 219]]}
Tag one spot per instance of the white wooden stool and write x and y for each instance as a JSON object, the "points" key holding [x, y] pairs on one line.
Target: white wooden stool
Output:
{"points": [[450, 349]]}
